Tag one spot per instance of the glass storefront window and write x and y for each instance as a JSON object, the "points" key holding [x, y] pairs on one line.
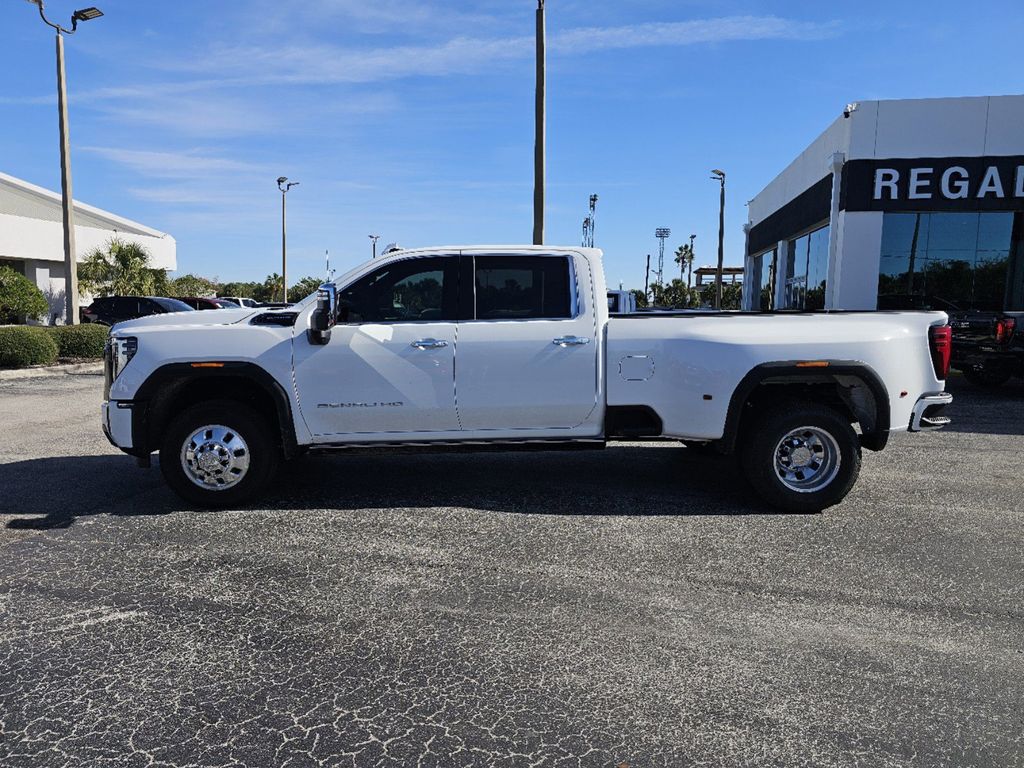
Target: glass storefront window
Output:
{"points": [[807, 270], [817, 269], [766, 268], [961, 259]]}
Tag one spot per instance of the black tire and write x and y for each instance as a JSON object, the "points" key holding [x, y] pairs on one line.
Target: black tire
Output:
{"points": [[987, 375], [827, 484], [257, 444]]}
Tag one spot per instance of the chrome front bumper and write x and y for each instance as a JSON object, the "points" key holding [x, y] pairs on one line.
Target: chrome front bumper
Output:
{"points": [[927, 415]]}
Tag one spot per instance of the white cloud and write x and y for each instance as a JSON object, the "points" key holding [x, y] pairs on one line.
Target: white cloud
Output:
{"points": [[722, 30], [319, 63], [173, 165]]}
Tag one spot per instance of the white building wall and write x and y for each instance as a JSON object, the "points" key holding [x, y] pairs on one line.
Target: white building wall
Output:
{"points": [[860, 245], [809, 167], [910, 128]]}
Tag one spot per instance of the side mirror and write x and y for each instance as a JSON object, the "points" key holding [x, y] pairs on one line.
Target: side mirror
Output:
{"points": [[325, 315]]}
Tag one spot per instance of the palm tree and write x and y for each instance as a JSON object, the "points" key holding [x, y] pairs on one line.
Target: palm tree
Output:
{"points": [[684, 258], [120, 269]]}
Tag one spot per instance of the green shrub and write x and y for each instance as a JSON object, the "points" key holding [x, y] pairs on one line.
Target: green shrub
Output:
{"points": [[23, 345], [81, 341], [19, 297]]}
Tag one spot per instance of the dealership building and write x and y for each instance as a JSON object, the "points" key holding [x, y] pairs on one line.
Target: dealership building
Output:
{"points": [[898, 204], [32, 236]]}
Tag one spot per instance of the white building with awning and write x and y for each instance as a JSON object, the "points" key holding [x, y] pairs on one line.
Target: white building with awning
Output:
{"points": [[32, 236]]}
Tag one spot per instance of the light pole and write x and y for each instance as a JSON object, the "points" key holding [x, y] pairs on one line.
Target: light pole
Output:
{"points": [[67, 200], [374, 238], [719, 175], [689, 273], [539, 130], [284, 185]]}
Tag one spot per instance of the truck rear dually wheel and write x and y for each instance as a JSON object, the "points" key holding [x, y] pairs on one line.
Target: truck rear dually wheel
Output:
{"points": [[801, 457], [218, 454]]}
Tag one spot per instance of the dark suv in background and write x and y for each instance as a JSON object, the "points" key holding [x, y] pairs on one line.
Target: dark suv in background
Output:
{"points": [[115, 309], [988, 345], [203, 303]]}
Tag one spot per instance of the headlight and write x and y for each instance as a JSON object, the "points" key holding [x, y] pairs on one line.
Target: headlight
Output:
{"points": [[122, 350]]}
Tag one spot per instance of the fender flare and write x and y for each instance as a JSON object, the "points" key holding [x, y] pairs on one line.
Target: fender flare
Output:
{"points": [[875, 440], [166, 380]]}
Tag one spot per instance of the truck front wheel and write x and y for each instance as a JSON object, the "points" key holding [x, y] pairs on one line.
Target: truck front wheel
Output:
{"points": [[218, 454], [801, 457]]}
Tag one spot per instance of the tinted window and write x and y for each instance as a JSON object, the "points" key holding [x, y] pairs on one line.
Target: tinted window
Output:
{"points": [[125, 306], [522, 287], [968, 259], [414, 290], [170, 305]]}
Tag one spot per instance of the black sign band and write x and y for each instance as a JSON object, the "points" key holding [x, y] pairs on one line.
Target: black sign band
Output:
{"points": [[934, 184]]}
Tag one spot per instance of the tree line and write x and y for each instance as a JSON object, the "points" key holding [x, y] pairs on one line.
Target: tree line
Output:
{"points": [[123, 268]]}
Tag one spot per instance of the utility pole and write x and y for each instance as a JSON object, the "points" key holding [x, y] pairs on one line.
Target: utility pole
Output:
{"points": [[539, 130], [719, 175], [67, 198], [647, 277], [374, 238], [593, 219], [284, 185]]}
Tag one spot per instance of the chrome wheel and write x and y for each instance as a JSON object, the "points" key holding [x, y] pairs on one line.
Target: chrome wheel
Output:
{"points": [[215, 457], [807, 459]]}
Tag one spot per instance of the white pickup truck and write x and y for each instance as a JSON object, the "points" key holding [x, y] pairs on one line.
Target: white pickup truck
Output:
{"points": [[514, 346]]}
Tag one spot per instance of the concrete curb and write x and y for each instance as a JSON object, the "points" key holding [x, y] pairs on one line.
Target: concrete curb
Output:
{"points": [[66, 369]]}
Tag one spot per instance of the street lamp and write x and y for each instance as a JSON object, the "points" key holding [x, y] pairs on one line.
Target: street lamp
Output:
{"points": [[374, 238], [689, 274], [284, 185], [719, 175], [67, 206], [540, 128]]}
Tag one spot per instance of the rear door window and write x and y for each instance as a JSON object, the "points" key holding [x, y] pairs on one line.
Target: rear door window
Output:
{"points": [[523, 288]]}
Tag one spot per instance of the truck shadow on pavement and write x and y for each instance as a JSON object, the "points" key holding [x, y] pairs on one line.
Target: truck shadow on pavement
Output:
{"points": [[623, 479]]}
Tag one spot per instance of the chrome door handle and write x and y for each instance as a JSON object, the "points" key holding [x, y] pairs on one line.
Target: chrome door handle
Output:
{"points": [[571, 341], [429, 344]]}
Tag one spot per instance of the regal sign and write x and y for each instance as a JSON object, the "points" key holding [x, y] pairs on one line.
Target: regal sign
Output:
{"points": [[934, 184]]}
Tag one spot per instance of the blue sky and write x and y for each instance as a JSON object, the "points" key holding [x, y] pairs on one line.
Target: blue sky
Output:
{"points": [[415, 119]]}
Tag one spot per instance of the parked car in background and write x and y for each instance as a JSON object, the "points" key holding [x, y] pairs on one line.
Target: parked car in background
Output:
{"points": [[198, 302], [988, 345], [242, 301], [621, 302], [116, 309]]}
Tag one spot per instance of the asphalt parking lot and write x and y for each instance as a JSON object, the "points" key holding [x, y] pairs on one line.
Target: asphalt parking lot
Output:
{"points": [[635, 605]]}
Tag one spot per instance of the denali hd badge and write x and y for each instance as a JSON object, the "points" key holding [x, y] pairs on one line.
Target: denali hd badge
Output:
{"points": [[359, 404]]}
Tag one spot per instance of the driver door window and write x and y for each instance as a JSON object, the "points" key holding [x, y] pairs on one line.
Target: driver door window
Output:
{"points": [[413, 291]]}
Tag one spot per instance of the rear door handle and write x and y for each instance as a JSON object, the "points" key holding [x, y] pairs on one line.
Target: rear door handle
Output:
{"points": [[429, 344], [571, 341]]}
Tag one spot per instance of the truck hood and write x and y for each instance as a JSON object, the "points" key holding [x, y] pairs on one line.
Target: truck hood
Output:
{"points": [[183, 319]]}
